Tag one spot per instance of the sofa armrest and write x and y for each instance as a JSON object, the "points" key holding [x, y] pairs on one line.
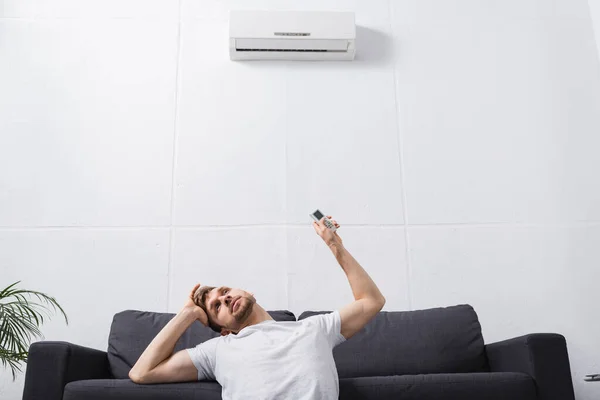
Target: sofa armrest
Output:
{"points": [[51, 365], [543, 356]]}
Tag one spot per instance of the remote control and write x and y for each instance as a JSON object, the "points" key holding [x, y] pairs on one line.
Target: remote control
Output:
{"points": [[317, 215]]}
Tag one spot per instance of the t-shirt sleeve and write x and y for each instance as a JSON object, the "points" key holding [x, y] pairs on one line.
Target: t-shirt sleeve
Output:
{"points": [[330, 325], [204, 357]]}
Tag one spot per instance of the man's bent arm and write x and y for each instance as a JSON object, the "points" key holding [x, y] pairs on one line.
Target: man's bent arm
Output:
{"points": [[163, 344], [361, 283]]}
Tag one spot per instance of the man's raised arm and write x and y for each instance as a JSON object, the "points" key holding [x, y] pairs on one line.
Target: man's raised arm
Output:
{"points": [[368, 299]]}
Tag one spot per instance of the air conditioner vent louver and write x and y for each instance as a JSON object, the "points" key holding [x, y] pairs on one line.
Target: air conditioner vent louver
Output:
{"points": [[299, 50]]}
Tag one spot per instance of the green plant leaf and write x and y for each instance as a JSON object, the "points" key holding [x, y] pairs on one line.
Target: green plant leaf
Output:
{"points": [[20, 321], [4, 292], [12, 360]]}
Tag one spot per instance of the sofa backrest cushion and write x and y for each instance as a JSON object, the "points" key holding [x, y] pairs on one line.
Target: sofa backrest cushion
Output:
{"points": [[438, 340], [132, 331]]}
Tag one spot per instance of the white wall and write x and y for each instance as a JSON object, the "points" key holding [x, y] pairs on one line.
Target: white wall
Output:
{"points": [[595, 15], [458, 152]]}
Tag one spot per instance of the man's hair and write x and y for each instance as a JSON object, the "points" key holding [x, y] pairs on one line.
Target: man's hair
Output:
{"points": [[200, 301]]}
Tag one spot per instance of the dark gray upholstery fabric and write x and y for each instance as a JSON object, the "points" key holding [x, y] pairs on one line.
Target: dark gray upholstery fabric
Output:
{"points": [[51, 365], [489, 386], [124, 389], [543, 356], [132, 331], [476, 386], [433, 341]]}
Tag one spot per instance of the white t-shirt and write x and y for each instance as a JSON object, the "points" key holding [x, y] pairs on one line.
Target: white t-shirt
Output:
{"points": [[274, 360]]}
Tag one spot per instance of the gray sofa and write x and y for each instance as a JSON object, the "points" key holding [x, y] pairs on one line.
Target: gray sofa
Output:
{"points": [[425, 354]]}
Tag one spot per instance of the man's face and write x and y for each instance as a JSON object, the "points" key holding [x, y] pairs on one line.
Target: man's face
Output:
{"points": [[229, 307]]}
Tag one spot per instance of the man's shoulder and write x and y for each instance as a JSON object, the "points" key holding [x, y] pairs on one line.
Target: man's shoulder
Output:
{"points": [[212, 342]]}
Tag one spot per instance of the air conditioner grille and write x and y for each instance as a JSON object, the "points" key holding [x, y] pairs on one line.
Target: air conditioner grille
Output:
{"points": [[296, 50]]}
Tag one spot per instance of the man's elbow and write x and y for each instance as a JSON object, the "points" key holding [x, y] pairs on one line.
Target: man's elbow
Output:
{"points": [[377, 303], [136, 377], [380, 300]]}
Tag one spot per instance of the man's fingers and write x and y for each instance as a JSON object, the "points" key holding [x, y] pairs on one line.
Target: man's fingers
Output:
{"points": [[320, 228], [333, 221], [193, 292]]}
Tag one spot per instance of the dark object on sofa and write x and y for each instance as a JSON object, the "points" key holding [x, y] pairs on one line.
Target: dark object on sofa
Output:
{"points": [[425, 354]]}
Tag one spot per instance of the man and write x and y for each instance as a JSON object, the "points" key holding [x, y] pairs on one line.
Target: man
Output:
{"points": [[256, 357]]}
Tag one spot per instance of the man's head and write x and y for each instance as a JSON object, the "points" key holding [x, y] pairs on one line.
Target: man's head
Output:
{"points": [[228, 310]]}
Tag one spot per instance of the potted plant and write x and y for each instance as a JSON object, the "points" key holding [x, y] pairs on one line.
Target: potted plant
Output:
{"points": [[20, 320]]}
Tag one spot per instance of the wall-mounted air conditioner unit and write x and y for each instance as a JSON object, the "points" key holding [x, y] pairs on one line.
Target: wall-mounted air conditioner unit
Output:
{"points": [[291, 35]]}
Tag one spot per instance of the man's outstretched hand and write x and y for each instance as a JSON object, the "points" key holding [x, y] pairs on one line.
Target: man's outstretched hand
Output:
{"points": [[330, 237], [196, 310]]}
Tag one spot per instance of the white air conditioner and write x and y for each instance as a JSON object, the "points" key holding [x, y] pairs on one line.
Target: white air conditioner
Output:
{"points": [[291, 35]]}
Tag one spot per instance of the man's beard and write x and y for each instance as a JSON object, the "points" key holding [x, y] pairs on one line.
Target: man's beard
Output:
{"points": [[244, 310]]}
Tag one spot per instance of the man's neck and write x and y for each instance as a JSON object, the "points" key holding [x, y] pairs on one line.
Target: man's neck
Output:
{"points": [[258, 315]]}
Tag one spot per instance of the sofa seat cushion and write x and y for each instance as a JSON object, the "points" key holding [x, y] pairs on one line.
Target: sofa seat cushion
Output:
{"points": [[125, 389], [489, 386], [476, 386]]}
